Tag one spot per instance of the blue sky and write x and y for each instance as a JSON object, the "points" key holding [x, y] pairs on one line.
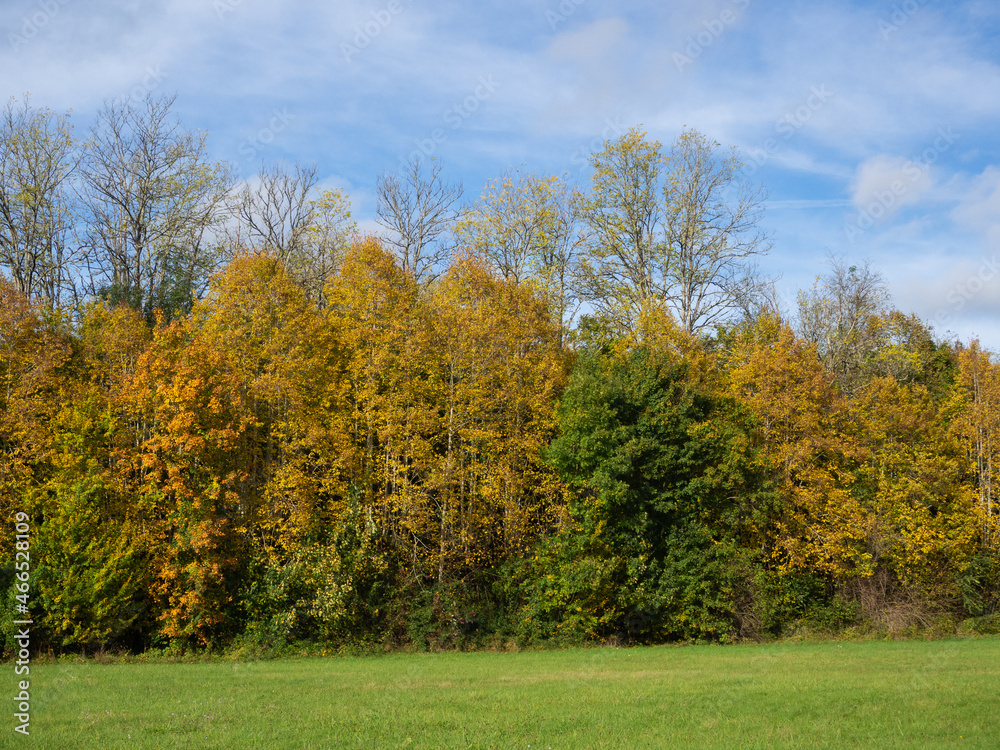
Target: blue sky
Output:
{"points": [[873, 125]]}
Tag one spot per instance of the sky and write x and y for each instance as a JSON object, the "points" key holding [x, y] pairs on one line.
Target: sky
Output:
{"points": [[872, 125]]}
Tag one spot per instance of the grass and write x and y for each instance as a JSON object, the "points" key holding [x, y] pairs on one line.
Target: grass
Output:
{"points": [[877, 694]]}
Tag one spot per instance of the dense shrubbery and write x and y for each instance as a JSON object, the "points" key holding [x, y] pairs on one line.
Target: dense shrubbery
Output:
{"points": [[426, 467], [230, 422]]}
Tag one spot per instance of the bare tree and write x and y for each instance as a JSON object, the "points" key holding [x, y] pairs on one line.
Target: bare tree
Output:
{"points": [[279, 213], [152, 201], [558, 265], [713, 236], [273, 212], [679, 231], [841, 315], [36, 161], [761, 298], [418, 210]]}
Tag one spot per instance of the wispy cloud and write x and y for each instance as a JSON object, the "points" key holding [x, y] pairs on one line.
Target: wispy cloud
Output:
{"points": [[366, 81]]}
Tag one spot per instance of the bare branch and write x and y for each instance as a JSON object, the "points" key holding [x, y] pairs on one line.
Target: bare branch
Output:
{"points": [[274, 213], [418, 210], [36, 162], [151, 199]]}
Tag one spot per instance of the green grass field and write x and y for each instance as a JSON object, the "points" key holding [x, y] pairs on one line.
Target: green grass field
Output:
{"points": [[869, 695]]}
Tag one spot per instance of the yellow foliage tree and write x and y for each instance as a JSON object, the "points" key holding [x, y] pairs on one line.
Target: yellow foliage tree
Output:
{"points": [[823, 526], [979, 378], [500, 372], [922, 521]]}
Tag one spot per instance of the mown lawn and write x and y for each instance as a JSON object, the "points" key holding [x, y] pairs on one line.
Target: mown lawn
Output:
{"points": [[868, 695]]}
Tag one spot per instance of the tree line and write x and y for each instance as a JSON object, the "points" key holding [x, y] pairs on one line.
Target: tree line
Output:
{"points": [[547, 414]]}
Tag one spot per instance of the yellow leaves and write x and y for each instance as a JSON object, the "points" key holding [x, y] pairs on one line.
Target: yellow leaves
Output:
{"points": [[781, 380], [449, 394], [516, 225], [919, 501], [499, 372], [263, 420], [976, 422], [867, 482], [112, 339]]}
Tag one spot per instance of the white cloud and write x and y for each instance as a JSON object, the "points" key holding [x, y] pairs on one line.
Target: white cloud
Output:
{"points": [[591, 44], [889, 182], [980, 207], [561, 85]]}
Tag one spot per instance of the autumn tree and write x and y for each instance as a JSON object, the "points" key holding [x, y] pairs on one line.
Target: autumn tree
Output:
{"points": [[96, 543], [875, 493], [528, 230], [63, 427], [510, 224], [800, 425], [324, 244], [152, 200], [191, 468], [417, 208], [91, 572], [980, 380], [375, 315], [921, 521], [681, 228], [36, 161], [286, 363], [246, 453], [977, 391], [499, 370], [626, 264], [449, 395], [31, 355], [251, 459]]}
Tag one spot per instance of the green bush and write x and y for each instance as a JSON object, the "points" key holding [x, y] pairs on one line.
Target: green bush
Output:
{"points": [[980, 584], [667, 491], [986, 625], [442, 616], [323, 591]]}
